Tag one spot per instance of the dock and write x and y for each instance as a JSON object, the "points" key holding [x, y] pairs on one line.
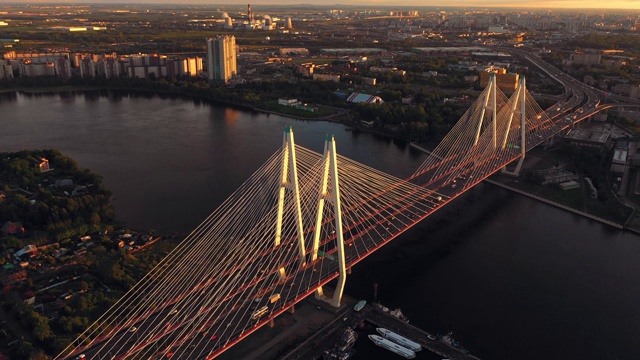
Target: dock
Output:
{"points": [[324, 338], [315, 326], [383, 319]]}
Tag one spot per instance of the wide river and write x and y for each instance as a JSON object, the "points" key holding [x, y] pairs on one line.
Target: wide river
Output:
{"points": [[511, 277]]}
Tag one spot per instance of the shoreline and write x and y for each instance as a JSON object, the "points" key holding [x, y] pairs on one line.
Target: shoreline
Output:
{"points": [[58, 89], [614, 224], [330, 118]]}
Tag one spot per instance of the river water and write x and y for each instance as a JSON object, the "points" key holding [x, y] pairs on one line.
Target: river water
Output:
{"points": [[511, 277]]}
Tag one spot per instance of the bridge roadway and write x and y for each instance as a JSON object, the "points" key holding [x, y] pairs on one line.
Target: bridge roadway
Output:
{"points": [[388, 224]]}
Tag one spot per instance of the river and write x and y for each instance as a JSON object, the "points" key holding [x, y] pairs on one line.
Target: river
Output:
{"points": [[511, 277]]}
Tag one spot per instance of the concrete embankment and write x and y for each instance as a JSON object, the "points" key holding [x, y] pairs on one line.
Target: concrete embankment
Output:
{"points": [[553, 203]]}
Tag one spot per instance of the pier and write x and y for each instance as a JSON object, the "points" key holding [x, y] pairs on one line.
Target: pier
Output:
{"points": [[315, 326], [324, 337], [383, 319]]}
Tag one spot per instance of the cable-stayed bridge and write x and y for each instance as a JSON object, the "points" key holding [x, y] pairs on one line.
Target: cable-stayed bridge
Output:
{"points": [[300, 221]]}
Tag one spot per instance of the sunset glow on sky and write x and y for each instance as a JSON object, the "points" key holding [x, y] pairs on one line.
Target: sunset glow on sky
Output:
{"points": [[548, 4]]}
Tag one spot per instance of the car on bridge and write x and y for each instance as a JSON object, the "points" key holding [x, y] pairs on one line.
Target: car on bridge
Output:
{"points": [[259, 313]]}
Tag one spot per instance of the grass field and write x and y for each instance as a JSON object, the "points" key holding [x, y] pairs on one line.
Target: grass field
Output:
{"points": [[323, 111]]}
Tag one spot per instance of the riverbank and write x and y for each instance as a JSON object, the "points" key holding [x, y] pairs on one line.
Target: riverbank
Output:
{"points": [[342, 115], [54, 89], [548, 201], [558, 205]]}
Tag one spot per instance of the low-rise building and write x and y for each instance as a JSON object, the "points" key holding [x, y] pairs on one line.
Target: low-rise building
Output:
{"points": [[294, 51], [620, 156], [43, 165], [555, 176], [326, 77], [364, 98], [584, 59], [588, 138], [288, 102]]}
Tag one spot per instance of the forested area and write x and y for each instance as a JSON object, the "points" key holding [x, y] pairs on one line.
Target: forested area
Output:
{"points": [[628, 42], [46, 201]]}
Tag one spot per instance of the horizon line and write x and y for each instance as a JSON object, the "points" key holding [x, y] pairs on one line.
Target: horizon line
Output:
{"points": [[578, 5]]}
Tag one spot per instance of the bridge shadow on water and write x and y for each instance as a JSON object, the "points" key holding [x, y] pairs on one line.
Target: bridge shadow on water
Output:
{"points": [[421, 247]]}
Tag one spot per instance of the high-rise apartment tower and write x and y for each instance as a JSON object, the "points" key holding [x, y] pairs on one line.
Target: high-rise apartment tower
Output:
{"points": [[221, 58]]}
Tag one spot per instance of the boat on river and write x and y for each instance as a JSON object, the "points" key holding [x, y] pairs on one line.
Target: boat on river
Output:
{"points": [[346, 339], [397, 313], [448, 339], [399, 339]]}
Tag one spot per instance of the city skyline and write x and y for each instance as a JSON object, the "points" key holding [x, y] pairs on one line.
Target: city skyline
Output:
{"points": [[552, 4]]}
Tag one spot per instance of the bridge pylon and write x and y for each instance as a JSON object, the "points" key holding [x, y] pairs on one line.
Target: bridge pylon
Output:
{"points": [[331, 194], [520, 99], [489, 103], [289, 181]]}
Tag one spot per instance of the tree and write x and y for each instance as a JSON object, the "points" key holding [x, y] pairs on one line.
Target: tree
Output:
{"points": [[41, 329], [39, 355], [25, 349]]}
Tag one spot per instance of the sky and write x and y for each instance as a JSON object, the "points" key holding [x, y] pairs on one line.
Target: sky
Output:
{"points": [[574, 4]]}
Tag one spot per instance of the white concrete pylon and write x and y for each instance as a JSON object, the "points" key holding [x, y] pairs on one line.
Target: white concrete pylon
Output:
{"points": [[289, 181], [487, 105], [523, 120], [520, 99], [330, 173], [512, 111]]}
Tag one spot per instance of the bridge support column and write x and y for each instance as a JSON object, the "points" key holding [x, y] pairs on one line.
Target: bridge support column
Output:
{"points": [[289, 181], [272, 323], [491, 94], [330, 173], [522, 92], [292, 309], [523, 121]]}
